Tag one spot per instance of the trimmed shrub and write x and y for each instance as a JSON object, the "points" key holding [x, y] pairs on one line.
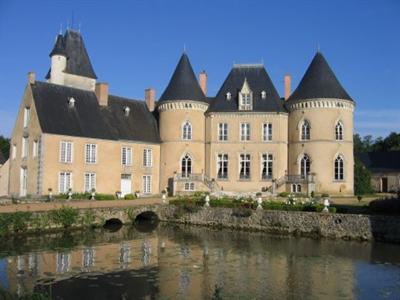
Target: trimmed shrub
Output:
{"points": [[104, 197], [130, 197], [385, 206], [283, 194]]}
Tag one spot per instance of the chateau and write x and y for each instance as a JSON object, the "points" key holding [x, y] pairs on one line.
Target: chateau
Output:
{"points": [[70, 133]]}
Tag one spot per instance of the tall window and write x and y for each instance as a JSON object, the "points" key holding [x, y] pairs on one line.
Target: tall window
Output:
{"points": [[27, 116], [305, 131], [186, 166], [14, 151], [64, 182], [339, 131], [267, 161], [66, 151], [244, 166], [187, 131], [245, 131], [245, 101], [35, 149], [222, 131], [147, 158], [305, 166], [147, 184], [25, 147], [90, 182], [339, 168], [91, 153], [23, 181], [126, 156], [267, 132], [222, 166]]}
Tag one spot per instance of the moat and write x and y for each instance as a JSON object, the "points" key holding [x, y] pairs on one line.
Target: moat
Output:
{"points": [[188, 262]]}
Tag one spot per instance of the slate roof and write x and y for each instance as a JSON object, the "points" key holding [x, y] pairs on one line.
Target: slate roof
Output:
{"points": [[258, 80], [78, 62], [384, 161], [88, 119], [2, 158], [319, 81], [183, 84]]}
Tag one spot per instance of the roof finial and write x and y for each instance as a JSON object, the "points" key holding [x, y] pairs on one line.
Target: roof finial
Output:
{"points": [[184, 48], [79, 27], [72, 19], [318, 48], [61, 29]]}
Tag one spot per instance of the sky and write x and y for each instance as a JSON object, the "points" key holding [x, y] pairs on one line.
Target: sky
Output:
{"points": [[136, 44]]}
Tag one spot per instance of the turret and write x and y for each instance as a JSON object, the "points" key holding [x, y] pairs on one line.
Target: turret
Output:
{"points": [[58, 61], [321, 132], [182, 126]]}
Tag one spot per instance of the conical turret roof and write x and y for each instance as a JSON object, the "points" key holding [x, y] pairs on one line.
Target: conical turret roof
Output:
{"points": [[319, 81], [59, 47], [78, 62], [183, 84]]}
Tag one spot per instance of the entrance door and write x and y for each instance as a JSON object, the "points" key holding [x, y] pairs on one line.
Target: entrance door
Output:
{"points": [[384, 182], [23, 182], [126, 184]]}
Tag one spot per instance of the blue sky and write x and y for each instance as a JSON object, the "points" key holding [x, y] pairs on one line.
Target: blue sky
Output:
{"points": [[136, 44]]}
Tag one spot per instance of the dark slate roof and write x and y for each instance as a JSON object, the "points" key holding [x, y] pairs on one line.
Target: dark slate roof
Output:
{"points": [[59, 47], [183, 84], [319, 81], [78, 62], [385, 161], [88, 118], [2, 158], [258, 81]]}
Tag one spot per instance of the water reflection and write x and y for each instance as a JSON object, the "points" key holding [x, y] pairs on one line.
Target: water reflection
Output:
{"points": [[197, 263]]}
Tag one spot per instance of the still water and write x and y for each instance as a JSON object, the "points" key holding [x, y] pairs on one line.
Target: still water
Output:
{"points": [[185, 262]]}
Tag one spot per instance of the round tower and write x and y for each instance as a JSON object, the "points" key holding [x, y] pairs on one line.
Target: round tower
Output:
{"points": [[182, 131], [58, 61], [320, 133]]}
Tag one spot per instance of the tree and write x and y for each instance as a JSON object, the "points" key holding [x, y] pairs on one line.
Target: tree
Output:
{"points": [[362, 179], [5, 146]]}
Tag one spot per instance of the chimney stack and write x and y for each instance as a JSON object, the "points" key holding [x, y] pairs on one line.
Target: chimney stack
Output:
{"points": [[31, 77], [203, 81], [287, 82], [101, 91], [150, 97]]}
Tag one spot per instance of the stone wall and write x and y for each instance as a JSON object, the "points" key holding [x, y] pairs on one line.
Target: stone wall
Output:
{"points": [[335, 226]]}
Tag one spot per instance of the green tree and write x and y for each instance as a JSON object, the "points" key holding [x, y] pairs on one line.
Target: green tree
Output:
{"points": [[362, 179], [5, 146]]}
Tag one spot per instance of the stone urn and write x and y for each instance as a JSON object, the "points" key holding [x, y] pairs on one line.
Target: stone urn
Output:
{"points": [[326, 205], [69, 194], [207, 199], [259, 200], [164, 196]]}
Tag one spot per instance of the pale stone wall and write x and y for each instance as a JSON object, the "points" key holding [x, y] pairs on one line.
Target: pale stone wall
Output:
{"points": [[322, 147], [4, 172], [255, 147], [108, 167], [173, 147], [33, 132]]}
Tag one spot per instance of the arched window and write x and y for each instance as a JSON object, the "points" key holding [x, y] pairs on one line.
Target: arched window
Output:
{"points": [[186, 166], [305, 131], [187, 131], [305, 166], [339, 131], [339, 168]]}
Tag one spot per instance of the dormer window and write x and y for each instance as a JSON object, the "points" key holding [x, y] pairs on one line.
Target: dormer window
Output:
{"points": [[245, 97], [126, 111], [228, 96], [71, 102], [263, 94]]}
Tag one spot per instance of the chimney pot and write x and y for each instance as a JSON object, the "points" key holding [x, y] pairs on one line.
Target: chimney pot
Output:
{"points": [[287, 83], [101, 91], [150, 97], [203, 81], [31, 77]]}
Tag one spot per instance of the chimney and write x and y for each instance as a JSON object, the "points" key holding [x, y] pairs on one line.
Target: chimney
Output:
{"points": [[203, 81], [31, 77], [150, 97], [101, 91], [287, 82]]}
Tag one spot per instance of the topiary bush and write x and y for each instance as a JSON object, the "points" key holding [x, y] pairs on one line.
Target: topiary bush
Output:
{"points": [[130, 197]]}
